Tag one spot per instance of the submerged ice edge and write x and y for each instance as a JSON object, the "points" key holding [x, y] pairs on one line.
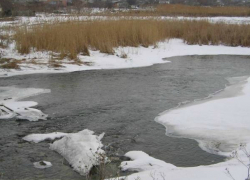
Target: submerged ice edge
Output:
{"points": [[221, 147]]}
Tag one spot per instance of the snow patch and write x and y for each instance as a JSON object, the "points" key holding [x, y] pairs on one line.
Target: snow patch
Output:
{"points": [[163, 171], [142, 161], [36, 138]]}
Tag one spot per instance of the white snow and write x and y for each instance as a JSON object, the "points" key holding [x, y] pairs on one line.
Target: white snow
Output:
{"points": [[10, 106], [219, 123], [82, 150], [142, 161], [36, 138], [51, 18], [220, 171], [42, 164]]}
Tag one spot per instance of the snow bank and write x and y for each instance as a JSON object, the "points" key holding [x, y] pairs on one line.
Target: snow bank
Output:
{"points": [[82, 150], [36, 138], [137, 57], [10, 106]]}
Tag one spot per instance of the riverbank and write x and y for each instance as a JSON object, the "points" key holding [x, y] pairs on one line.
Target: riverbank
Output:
{"points": [[136, 57]]}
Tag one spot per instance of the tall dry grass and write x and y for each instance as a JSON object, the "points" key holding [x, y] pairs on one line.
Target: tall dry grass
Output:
{"points": [[73, 38], [185, 10]]}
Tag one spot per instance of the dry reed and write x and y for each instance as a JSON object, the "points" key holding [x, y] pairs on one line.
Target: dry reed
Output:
{"points": [[185, 10], [74, 37]]}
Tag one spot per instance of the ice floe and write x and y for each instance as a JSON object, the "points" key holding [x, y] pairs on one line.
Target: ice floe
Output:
{"points": [[82, 150], [10, 106]]}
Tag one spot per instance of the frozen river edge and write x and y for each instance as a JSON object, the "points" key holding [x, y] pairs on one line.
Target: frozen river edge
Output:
{"points": [[220, 124]]}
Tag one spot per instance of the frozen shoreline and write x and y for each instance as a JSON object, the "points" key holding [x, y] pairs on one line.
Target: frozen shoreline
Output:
{"points": [[137, 57]]}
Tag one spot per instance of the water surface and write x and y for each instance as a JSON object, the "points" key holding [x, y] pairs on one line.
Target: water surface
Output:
{"points": [[122, 103]]}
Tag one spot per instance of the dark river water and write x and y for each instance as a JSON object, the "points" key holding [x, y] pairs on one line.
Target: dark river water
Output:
{"points": [[122, 103]]}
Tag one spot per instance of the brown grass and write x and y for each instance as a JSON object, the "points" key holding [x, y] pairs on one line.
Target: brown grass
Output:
{"points": [[185, 10], [6, 63], [73, 38]]}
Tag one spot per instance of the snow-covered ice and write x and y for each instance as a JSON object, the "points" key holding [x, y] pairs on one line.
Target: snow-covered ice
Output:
{"points": [[82, 150], [36, 138], [150, 168], [10, 106], [219, 123], [142, 161]]}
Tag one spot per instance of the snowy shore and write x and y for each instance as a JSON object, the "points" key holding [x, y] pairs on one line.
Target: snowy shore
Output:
{"points": [[137, 57]]}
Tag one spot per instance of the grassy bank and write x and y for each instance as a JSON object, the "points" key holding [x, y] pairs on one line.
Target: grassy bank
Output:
{"points": [[74, 37]]}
